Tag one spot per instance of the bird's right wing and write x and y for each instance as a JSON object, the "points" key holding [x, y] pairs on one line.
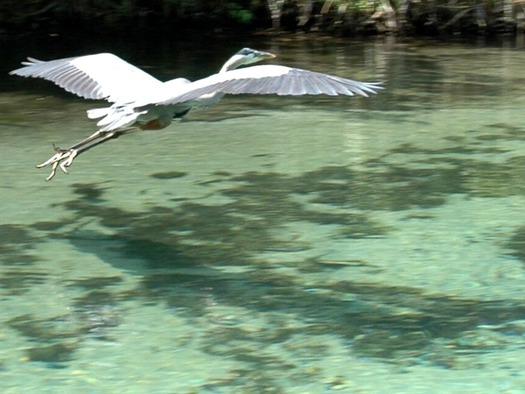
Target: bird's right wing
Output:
{"points": [[269, 79], [100, 76]]}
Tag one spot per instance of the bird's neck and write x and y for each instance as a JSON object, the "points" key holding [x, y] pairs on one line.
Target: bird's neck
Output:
{"points": [[232, 63]]}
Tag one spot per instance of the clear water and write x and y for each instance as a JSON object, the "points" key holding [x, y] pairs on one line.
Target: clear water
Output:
{"points": [[273, 245]]}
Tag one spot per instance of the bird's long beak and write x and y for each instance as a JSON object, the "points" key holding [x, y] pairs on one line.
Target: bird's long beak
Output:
{"points": [[265, 55]]}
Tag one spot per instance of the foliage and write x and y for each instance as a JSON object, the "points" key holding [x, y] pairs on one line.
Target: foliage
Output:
{"points": [[239, 13], [333, 16]]}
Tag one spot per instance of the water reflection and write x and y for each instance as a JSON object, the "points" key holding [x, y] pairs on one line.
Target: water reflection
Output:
{"points": [[277, 245]]}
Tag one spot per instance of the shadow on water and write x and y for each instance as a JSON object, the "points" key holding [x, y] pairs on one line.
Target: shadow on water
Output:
{"points": [[184, 245]]}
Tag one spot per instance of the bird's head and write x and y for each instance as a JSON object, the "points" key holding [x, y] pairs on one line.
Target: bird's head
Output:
{"points": [[244, 57]]}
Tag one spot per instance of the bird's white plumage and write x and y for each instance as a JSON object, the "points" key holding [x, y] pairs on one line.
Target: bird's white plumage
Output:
{"points": [[268, 79], [100, 76], [106, 76], [142, 101]]}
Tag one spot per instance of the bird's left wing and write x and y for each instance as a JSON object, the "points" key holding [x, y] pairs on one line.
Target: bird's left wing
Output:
{"points": [[270, 79], [100, 76]]}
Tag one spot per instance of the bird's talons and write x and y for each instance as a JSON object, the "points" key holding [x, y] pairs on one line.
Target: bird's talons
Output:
{"points": [[63, 158]]}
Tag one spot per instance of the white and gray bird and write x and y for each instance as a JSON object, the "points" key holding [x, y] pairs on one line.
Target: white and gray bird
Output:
{"points": [[141, 101]]}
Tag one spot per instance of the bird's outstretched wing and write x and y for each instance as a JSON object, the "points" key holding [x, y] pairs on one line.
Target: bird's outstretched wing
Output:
{"points": [[100, 76], [270, 79]]}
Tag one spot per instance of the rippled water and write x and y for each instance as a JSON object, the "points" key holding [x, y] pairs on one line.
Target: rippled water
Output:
{"points": [[276, 245]]}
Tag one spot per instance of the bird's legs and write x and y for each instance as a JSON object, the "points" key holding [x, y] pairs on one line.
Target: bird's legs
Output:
{"points": [[63, 158]]}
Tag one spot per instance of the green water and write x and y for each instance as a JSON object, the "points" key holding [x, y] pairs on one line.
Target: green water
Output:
{"points": [[273, 245]]}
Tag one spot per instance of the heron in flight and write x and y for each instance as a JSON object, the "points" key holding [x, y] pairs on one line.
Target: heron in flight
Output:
{"points": [[142, 102]]}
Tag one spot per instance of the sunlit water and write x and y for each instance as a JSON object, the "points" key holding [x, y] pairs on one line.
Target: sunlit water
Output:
{"points": [[274, 245]]}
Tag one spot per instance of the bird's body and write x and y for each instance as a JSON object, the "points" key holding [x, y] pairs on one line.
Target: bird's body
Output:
{"points": [[141, 101]]}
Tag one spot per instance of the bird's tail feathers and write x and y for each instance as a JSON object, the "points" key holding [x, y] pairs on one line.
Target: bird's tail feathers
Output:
{"points": [[97, 112], [115, 117]]}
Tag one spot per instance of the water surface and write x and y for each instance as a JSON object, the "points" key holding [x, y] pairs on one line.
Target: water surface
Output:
{"points": [[280, 245]]}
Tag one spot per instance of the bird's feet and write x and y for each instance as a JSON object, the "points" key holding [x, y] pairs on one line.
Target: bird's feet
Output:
{"points": [[63, 158]]}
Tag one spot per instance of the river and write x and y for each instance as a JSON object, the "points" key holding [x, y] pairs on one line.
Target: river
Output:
{"points": [[272, 244]]}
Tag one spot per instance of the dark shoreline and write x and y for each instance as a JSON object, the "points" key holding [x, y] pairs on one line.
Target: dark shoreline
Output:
{"points": [[179, 20]]}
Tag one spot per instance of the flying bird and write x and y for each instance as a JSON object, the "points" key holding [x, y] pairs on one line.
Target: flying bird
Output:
{"points": [[142, 102]]}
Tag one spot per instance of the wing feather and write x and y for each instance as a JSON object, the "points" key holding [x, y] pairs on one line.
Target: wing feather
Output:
{"points": [[270, 79], [100, 76]]}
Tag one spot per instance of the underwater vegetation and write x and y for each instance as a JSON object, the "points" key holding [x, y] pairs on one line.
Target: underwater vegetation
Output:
{"points": [[199, 259]]}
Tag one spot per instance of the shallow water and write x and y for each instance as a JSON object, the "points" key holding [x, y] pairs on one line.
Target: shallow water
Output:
{"points": [[305, 245]]}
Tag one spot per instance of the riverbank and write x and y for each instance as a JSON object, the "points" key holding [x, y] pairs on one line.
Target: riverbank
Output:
{"points": [[188, 18]]}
